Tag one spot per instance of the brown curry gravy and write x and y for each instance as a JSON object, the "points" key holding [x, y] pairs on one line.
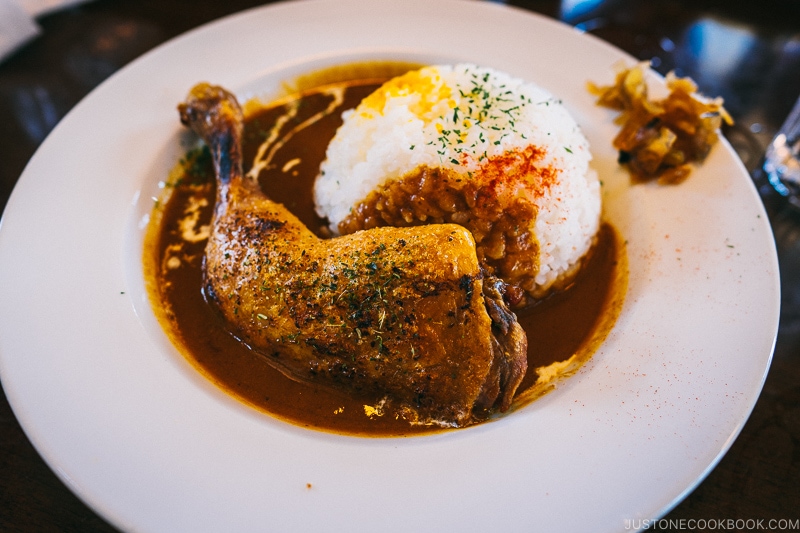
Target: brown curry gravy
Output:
{"points": [[563, 330]]}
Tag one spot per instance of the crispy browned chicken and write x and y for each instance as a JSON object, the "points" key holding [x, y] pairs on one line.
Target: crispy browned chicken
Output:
{"points": [[405, 313]]}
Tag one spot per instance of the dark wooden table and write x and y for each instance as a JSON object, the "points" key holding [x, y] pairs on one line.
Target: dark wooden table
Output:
{"points": [[747, 52]]}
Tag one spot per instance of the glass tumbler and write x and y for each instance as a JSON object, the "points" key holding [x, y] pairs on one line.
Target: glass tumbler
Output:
{"points": [[782, 158]]}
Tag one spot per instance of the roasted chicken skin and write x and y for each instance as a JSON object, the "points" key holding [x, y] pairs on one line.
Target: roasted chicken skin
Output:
{"points": [[404, 313]]}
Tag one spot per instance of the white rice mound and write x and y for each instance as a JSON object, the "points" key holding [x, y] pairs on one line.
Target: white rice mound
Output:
{"points": [[459, 118]]}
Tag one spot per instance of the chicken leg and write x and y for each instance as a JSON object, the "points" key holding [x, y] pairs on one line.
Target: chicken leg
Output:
{"points": [[404, 313]]}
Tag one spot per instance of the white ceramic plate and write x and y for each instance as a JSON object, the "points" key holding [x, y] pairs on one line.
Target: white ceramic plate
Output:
{"points": [[130, 427]]}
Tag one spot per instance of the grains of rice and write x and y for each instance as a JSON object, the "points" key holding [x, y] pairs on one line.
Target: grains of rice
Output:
{"points": [[474, 146]]}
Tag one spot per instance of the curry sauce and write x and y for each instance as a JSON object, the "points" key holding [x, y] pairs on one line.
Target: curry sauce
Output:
{"points": [[285, 144]]}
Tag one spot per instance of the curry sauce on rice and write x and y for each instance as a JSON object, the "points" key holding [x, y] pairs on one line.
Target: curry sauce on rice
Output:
{"points": [[476, 147]]}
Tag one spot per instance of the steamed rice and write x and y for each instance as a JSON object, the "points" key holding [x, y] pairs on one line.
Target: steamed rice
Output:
{"points": [[508, 160]]}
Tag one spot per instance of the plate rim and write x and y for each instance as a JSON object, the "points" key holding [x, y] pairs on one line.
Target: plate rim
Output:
{"points": [[18, 404]]}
